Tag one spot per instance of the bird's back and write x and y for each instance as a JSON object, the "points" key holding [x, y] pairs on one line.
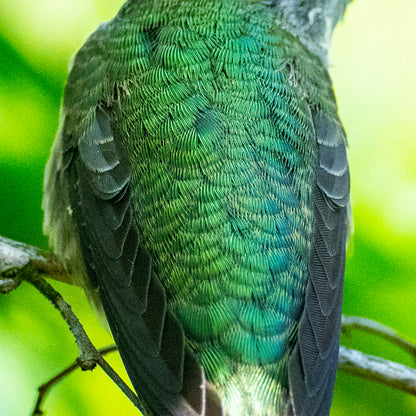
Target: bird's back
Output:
{"points": [[213, 112]]}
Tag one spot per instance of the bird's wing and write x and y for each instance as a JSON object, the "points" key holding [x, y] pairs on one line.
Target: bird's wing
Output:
{"points": [[150, 340], [314, 360]]}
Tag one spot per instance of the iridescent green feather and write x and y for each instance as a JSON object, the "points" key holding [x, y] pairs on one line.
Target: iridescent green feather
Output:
{"points": [[211, 102], [206, 181]]}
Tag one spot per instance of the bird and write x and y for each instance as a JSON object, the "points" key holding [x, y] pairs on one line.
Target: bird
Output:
{"points": [[198, 190]]}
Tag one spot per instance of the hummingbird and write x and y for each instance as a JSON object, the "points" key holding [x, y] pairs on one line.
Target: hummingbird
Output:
{"points": [[198, 190]]}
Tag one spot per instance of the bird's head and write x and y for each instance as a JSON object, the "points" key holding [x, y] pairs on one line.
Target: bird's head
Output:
{"points": [[313, 21]]}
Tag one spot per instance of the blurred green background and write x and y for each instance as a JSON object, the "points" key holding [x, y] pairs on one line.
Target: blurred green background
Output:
{"points": [[373, 67]]}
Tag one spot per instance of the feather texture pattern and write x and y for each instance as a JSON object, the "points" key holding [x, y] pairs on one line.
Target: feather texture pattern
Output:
{"points": [[204, 164]]}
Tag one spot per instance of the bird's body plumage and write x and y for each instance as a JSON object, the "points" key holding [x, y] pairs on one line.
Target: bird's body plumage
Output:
{"points": [[203, 161]]}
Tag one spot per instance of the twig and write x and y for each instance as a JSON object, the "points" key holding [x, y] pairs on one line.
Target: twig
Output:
{"points": [[378, 329], [15, 257], [43, 390], [377, 369], [20, 262], [89, 357]]}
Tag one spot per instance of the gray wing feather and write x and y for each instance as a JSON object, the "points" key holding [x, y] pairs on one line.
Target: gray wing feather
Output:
{"points": [[314, 360]]}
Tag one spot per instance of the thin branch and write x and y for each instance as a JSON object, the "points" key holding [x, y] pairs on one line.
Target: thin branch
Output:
{"points": [[20, 262], [43, 390], [377, 369], [16, 256], [378, 329], [89, 357]]}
